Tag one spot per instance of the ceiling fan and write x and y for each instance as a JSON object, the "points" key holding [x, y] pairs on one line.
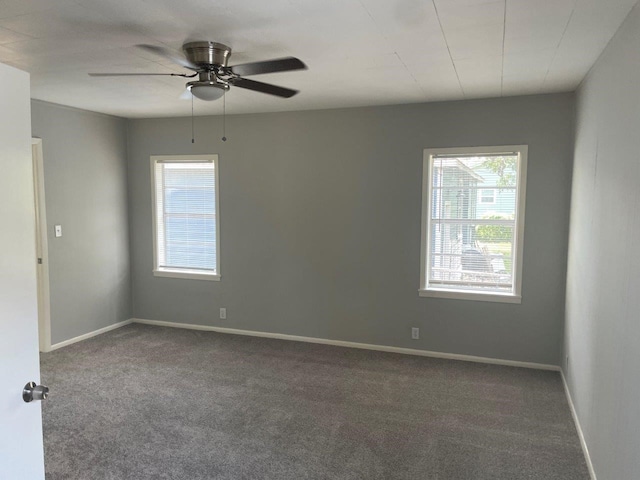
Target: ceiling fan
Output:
{"points": [[209, 62]]}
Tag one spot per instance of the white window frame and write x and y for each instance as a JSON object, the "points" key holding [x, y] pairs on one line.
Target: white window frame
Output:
{"points": [[185, 273], [481, 197], [425, 290]]}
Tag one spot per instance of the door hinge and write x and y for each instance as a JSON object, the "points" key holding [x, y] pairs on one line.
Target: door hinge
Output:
{"points": [[39, 261]]}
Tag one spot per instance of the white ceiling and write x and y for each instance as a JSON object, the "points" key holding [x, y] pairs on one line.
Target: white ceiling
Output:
{"points": [[359, 52]]}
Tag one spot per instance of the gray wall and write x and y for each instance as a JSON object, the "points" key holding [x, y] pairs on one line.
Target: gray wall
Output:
{"points": [[86, 192], [320, 225], [602, 328]]}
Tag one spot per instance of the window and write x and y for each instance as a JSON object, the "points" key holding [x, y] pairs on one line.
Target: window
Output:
{"points": [[487, 195], [185, 214], [473, 223]]}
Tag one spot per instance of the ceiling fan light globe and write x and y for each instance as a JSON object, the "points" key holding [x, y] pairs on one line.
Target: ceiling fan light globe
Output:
{"points": [[208, 91]]}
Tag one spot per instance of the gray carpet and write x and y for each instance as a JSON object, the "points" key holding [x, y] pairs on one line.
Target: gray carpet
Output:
{"points": [[147, 402]]}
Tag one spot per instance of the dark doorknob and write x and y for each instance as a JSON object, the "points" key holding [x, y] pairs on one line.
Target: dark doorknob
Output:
{"points": [[32, 392]]}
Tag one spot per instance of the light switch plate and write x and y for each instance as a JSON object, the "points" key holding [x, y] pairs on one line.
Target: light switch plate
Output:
{"points": [[58, 230]]}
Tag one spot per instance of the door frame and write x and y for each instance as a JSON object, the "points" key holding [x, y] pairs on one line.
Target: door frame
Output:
{"points": [[42, 248]]}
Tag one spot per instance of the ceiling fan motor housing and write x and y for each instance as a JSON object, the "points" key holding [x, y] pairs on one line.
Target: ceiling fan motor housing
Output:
{"points": [[207, 54]]}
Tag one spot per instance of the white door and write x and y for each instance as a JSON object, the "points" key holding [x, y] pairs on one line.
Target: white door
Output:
{"points": [[21, 451]]}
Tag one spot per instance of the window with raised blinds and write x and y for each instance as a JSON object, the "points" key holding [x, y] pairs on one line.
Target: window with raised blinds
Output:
{"points": [[186, 216], [473, 219]]}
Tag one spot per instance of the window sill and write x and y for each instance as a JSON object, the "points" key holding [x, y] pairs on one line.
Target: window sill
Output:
{"points": [[476, 296], [192, 275]]}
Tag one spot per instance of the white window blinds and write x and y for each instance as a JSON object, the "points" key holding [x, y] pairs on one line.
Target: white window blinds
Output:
{"points": [[186, 216]]}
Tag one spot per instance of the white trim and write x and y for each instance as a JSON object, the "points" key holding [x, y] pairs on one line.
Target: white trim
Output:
{"points": [[193, 275], [42, 245], [90, 334], [475, 296], [342, 343], [184, 158], [574, 414], [212, 158], [425, 239], [519, 218]]}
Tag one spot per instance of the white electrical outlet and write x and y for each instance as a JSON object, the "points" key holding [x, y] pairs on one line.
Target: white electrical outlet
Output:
{"points": [[223, 314], [415, 333]]}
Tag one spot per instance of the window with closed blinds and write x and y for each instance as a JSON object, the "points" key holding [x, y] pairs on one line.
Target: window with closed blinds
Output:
{"points": [[473, 219], [186, 216]]}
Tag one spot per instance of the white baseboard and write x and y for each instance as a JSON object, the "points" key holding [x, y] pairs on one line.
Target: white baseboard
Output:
{"points": [[341, 343], [574, 414], [90, 334]]}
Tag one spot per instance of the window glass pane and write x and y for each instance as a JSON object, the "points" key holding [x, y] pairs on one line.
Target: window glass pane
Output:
{"points": [[487, 195], [477, 257], [183, 229], [473, 212], [186, 255], [185, 201]]}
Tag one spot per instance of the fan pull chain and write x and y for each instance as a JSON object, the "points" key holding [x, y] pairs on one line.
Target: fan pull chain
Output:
{"points": [[193, 139], [224, 118]]}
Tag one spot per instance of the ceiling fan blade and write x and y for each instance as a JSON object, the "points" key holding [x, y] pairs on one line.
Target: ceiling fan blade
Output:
{"points": [[263, 87], [138, 74], [169, 54], [268, 66]]}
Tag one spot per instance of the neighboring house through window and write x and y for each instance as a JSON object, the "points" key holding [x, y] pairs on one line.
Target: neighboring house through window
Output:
{"points": [[473, 223], [185, 216]]}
